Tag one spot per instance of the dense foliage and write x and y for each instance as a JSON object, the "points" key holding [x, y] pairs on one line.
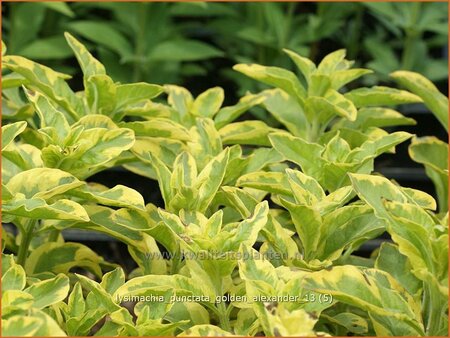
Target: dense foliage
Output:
{"points": [[259, 224]]}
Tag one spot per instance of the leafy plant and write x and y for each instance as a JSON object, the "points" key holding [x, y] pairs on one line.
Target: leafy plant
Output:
{"points": [[221, 256]]}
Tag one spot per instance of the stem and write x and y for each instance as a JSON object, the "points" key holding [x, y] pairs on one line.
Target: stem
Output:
{"points": [[432, 303], [411, 35], [27, 236], [140, 41], [176, 260], [223, 317]]}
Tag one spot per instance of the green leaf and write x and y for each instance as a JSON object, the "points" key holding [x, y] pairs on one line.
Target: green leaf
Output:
{"points": [[380, 96], [228, 114], [132, 93], [118, 196], [61, 258], [376, 117], [272, 182], [14, 278], [10, 132], [112, 280], [246, 232], [183, 50], [53, 122], [89, 65], [100, 93], [20, 326], [331, 62], [286, 110], [305, 65], [103, 34], [210, 179], [159, 127], [332, 104], [246, 132], [48, 82], [37, 208], [49, 291], [51, 48], [205, 330], [179, 98], [431, 96], [371, 290], [433, 154], [389, 259], [42, 183], [274, 76], [208, 103], [306, 155]]}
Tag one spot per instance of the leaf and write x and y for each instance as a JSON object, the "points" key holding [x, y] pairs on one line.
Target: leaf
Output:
{"points": [[103, 34], [376, 117], [159, 127], [380, 96], [51, 48], [431, 96], [183, 50], [333, 104], [37, 208], [20, 326], [389, 259], [42, 183], [210, 179], [97, 147], [246, 132], [345, 229], [272, 182], [49, 291], [372, 189], [205, 330], [286, 110], [372, 290], [340, 78], [246, 232], [295, 149], [331, 62], [59, 7], [48, 82], [179, 98], [158, 285], [208, 103], [89, 65], [62, 257], [306, 66], [132, 93], [228, 114], [112, 280], [118, 196], [50, 117], [274, 76], [185, 171], [100, 92], [308, 224], [433, 154], [14, 278], [10, 132]]}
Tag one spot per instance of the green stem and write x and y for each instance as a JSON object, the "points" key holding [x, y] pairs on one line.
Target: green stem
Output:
{"points": [[432, 302], [223, 317], [176, 261], [411, 36], [140, 42], [27, 236]]}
